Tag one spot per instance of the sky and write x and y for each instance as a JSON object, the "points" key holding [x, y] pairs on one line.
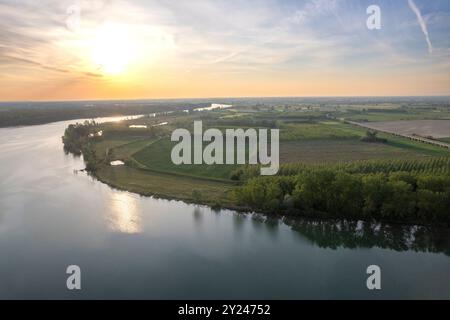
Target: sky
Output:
{"points": [[112, 49]]}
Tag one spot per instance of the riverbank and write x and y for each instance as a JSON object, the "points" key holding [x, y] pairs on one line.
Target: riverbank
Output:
{"points": [[163, 187], [166, 186], [414, 191]]}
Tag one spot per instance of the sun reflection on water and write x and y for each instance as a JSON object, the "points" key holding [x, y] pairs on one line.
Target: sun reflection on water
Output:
{"points": [[125, 213]]}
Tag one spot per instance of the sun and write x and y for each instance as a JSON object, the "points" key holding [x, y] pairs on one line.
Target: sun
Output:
{"points": [[112, 50]]}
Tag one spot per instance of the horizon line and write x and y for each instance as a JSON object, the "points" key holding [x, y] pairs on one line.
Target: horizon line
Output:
{"points": [[224, 97]]}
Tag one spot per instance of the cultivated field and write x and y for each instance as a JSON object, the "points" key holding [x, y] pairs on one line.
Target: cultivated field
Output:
{"points": [[437, 129], [344, 150]]}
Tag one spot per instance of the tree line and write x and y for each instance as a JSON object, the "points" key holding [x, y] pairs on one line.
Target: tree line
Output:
{"points": [[328, 193], [433, 165], [77, 140]]}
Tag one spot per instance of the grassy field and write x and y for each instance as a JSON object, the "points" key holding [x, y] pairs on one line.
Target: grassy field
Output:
{"points": [[156, 157], [163, 180], [166, 185], [101, 147], [125, 151]]}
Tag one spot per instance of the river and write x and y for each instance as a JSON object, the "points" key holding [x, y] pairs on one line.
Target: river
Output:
{"points": [[127, 246]]}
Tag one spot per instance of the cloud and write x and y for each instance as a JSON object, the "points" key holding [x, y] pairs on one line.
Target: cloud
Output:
{"points": [[313, 9], [34, 63], [32, 35], [422, 24], [227, 40]]}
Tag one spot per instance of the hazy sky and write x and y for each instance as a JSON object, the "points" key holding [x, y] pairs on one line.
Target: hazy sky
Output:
{"points": [[217, 48]]}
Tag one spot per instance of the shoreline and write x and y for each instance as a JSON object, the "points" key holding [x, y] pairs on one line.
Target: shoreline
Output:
{"points": [[248, 210], [292, 194]]}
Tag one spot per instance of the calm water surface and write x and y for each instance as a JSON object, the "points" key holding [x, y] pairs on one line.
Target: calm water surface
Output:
{"points": [[134, 247]]}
